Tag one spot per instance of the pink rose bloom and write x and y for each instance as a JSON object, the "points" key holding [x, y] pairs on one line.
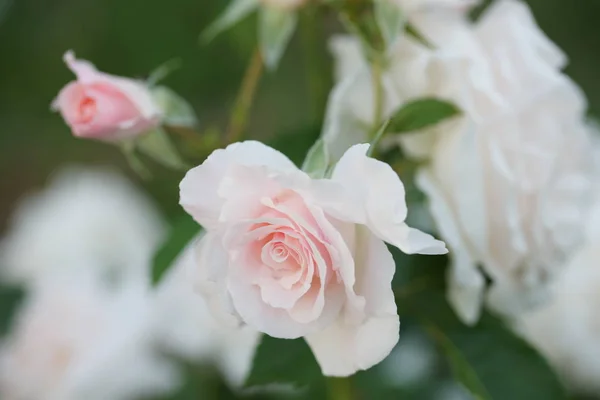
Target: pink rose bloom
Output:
{"points": [[294, 257], [105, 107]]}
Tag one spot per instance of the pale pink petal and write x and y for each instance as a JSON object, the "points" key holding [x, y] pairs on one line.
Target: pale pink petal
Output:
{"points": [[199, 188], [211, 279], [346, 347], [274, 321], [378, 187]]}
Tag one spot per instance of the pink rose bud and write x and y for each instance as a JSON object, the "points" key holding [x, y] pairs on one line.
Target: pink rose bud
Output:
{"points": [[105, 107]]}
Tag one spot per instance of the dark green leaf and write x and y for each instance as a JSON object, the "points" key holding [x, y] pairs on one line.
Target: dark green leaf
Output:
{"points": [[413, 32], [421, 113], [184, 230], [488, 358], [10, 300], [481, 358], [284, 361]]}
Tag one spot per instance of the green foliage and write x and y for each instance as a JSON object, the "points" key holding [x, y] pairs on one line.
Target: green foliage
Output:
{"points": [[316, 162], [182, 232], [235, 11], [176, 110], [283, 361], [10, 300], [390, 19], [276, 27], [488, 359], [421, 113], [157, 145]]}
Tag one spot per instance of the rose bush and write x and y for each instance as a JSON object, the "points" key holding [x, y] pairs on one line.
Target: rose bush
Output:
{"points": [[297, 257]]}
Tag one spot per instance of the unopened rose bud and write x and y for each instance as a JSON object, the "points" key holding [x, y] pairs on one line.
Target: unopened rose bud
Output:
{"points": [[105, 107]]}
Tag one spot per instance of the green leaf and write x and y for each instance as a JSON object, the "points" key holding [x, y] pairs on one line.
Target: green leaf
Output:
{"points": [[316, 162], [421, 113], [411, 31], [488, 358], [176, 110], [137, 165], [276, 27], [182, 232], [10, 300], [491, 361], [157, 145], [390, 19], [284, 361], [236, 11], [163, 70]]}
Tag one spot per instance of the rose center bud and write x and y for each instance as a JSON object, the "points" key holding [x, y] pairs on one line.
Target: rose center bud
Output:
{"points": [[288, 257], [87, 110]]}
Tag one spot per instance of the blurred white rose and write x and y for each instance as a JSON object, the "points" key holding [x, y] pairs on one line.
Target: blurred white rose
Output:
{"points": [[187, 328], [510, 189], [85, 218], [75, 339], [566, 329], [509, 181]]}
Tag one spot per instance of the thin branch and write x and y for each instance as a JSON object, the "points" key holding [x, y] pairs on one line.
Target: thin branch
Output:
{"points": [[239, 114]]}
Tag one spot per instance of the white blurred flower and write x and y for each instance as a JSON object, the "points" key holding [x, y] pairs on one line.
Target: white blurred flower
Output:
{"points": [[85, 218], [566, 330], [188, 329], [509, 182], [510, 189], [75, 339]]}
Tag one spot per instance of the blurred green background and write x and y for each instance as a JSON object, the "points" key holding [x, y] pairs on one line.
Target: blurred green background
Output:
{"points": [[132, 37]]}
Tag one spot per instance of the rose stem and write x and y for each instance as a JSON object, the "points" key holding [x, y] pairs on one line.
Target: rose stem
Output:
{"points": [[243, 102]]}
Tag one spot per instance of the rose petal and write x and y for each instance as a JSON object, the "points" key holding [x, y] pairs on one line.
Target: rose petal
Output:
{"points": [[344, 347], [378, 187], [274, 321], [199, 188], [211, 279]]}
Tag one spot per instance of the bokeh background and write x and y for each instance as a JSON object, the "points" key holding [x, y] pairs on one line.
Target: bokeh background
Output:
{"points": [[132, 37]]}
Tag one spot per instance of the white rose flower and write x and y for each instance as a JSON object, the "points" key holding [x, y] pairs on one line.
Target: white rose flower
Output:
{"points": [[508, 181], [566, 329], [510, 190], [75, 339], [187, 328], [295, 257], [85, 218]]}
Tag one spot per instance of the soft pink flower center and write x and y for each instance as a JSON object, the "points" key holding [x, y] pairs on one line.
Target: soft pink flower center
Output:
{"points": [[288, 257], [87, 110]]}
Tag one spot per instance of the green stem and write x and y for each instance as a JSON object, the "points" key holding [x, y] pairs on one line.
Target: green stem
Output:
{"points": [[315, 70], [239, 115], [339, 389], [376, 76]]}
